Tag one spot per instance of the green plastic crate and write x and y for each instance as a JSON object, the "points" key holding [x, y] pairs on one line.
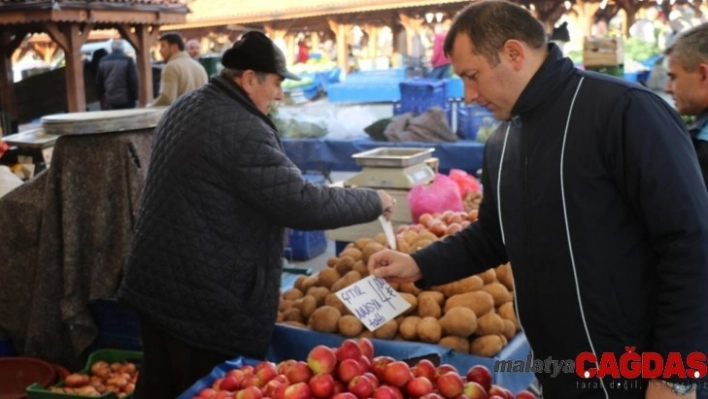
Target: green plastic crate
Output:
{"points": [[613, 70], [35, 391]]}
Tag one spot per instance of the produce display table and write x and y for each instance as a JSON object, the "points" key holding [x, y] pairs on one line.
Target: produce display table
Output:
{"points": [[296, 343], [325, 156]]}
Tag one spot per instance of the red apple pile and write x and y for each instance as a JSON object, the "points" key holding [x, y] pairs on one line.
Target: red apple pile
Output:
{"points": [[352, 372]]}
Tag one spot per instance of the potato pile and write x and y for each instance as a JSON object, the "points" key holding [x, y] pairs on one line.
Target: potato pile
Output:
{"points": [[116, 377], [473, 315], [471, 200]]}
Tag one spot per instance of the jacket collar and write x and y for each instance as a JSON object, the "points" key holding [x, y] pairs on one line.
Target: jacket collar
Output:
{"points": [[553, 72], [237, 93], [700, 123], [176, 56]]}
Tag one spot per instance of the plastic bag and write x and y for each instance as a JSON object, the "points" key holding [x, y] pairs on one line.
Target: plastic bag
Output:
{"points": [[465, 182], [439, 196], [353, 121], [293, 124], [8, 180]]}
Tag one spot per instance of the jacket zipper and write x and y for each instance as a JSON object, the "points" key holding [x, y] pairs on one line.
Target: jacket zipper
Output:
{"points": [[525, 194]]}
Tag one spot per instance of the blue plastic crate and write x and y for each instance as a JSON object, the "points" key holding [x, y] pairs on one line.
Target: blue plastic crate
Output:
{"points": [[6, 347], [470, 118], [454, 88], [373, 91], [118, 326], [390, 73], [315, 178], [116, 341], [304, 245], [417, 95]]}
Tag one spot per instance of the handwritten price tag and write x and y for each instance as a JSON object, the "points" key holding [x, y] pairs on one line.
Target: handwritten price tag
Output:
{"points": [[373, 301]]}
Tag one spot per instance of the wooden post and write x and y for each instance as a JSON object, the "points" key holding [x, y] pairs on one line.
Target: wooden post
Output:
{"points": [[413, 28], [8, 107], [340, 30], [315, 41], [70, 38], [290, 46], [8, 111], [279, 35], [142, 40]]}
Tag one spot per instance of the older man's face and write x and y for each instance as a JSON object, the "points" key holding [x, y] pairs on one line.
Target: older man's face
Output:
{"points": [[688, 88], [265, 93], [193, 48]]}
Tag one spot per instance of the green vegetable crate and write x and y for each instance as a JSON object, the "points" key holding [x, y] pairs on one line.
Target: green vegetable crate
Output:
{"points": [[35, 391]]}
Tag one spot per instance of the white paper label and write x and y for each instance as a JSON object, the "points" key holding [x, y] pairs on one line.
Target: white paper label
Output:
{"points": [[373, 301]]}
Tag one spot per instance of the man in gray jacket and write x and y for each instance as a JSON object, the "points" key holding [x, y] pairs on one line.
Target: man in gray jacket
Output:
{"points": [[117, 79], [205, 266]]}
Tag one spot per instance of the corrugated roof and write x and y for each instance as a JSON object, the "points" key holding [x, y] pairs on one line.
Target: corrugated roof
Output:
{"points": [[224, 12], [169, 5], [99, 12]]}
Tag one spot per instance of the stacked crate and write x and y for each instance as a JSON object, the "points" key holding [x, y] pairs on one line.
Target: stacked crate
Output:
{"points": [[604, 55]]}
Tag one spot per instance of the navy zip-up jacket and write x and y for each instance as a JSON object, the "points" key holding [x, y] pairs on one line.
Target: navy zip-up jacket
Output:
{"points": [[594, 194], [699, 136]]}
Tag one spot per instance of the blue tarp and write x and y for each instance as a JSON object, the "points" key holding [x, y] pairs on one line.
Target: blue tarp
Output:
{"points": [[296, 343], [336, 155]]}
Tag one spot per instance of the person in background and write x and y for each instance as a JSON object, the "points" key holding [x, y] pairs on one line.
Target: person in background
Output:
{"points": [[117, 79], [439, 60], [194, 49], [561, 35], [688, 84], [303, 53], [181, 74], [593, 193], [205, 265], [96, 58]]}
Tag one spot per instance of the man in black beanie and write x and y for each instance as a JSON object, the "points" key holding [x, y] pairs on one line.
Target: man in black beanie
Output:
{"points": [[205, 265]]}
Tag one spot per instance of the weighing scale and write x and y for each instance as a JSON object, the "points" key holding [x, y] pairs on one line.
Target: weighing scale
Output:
{"points": [[394, 169], [32, 147]]}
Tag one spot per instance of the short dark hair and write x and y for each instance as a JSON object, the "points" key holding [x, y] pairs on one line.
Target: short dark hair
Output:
{"points": [[490, 23], [690, 48], [173, 38]]}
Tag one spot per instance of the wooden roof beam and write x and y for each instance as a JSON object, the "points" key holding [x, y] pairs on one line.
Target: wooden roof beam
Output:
{"points": [[12, 43], [57, 35], [127, 32]]}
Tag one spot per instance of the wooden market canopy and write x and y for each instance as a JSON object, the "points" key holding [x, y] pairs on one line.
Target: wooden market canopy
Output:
{"points": [[225, 12], [68, 23], [280, 19]]}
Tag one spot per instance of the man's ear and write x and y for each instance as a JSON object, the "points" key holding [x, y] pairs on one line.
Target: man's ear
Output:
{"points": [[248, 80], [703, 73], [515, 53]]}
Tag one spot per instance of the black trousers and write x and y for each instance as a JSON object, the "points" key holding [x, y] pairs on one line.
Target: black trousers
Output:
{"points": [[169, 365]]}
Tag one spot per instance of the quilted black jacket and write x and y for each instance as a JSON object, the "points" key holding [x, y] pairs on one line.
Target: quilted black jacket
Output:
{"points": [[205, 263]]}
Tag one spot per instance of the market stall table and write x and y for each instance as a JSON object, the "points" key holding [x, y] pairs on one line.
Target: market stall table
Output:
{"points": [[295, 343], [66, 235]]}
